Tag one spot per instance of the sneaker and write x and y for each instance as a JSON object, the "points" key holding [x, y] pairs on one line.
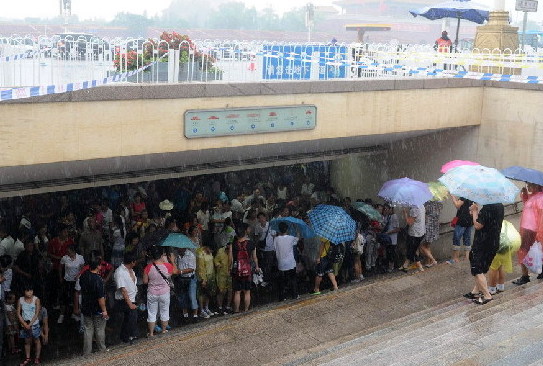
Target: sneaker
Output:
{"points": [[522, 280], [60, 319], [81, 329], [158, 329], [355, 280], [208, 312], [361, 277], [540, 276], [195, 317], [76, 317], [264, 284], [204, 315], [316, 293], [186, 315]]}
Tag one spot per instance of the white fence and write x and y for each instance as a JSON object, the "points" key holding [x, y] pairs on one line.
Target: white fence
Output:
{"points": [[25, 62]]}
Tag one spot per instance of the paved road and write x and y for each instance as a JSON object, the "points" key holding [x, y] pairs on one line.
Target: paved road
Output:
{"points": [[297, 332]]}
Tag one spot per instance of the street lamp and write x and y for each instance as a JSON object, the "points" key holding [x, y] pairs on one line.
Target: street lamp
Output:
{"points": [[309, 19]]}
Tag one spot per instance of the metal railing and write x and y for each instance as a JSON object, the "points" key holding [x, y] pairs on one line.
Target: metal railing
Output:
{"points": [[25, 61]]}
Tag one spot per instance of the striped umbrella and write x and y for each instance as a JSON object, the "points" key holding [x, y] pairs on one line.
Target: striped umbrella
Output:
{"points": [[332, 223]]}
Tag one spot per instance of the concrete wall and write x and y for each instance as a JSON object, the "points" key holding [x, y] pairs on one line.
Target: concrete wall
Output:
{"points": [[82, 128], [511, 131]]}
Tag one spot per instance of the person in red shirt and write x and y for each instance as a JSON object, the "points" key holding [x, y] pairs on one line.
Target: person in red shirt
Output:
{"points": [[443, 43], [56, 249]]}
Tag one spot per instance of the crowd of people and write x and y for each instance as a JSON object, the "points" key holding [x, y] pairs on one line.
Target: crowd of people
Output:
{"points": [[93, 258]]}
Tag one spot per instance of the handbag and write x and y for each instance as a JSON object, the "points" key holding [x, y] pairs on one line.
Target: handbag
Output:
{"points": [[534, 258], [168, 280], [454, 221]]}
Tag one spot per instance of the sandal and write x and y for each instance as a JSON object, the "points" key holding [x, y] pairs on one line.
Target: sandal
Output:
{"points": [[472, 296], [26, 362], [482, 301]]}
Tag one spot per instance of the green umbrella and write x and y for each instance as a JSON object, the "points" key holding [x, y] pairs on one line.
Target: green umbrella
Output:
{"points": [[439, 191], [368, 210], [177, 240]]}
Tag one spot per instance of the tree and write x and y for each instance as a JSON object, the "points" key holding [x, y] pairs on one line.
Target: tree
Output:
{"points": [[294, 20], [233, 15], [135, 24]]}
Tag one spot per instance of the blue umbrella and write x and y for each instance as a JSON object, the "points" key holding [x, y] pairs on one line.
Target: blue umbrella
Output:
{"points": [[177, 240], [458, 9], [294, 226], [524, 174], [405, 191], [480, 184], [332, 223]]}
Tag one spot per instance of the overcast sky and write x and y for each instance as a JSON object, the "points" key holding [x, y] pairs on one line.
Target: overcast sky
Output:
{"points": [[106, 9]]}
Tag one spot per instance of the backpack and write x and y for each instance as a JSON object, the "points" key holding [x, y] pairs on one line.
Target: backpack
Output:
{"points": [[337, 252], [243, 261], [357, 246]]}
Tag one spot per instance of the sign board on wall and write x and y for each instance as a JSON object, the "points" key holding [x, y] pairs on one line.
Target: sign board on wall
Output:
{"points": [[526, 5], [243, 121]]}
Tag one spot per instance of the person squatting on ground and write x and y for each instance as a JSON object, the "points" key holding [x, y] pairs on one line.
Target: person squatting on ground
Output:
{"points": [[488, 224]]}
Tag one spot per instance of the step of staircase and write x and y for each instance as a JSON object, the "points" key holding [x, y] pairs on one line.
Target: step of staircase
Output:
{"points": [[451, 333]]}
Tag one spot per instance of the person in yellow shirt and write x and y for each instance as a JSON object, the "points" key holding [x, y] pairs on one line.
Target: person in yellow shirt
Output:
{"points": [[324, 266], [205, 270], [224, 280]]}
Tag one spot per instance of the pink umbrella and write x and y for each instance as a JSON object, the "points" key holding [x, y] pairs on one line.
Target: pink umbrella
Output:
{"points": [[453, 164]]}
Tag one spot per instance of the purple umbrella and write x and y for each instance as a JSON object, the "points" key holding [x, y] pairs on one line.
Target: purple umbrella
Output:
{"points": [[405, 191]]}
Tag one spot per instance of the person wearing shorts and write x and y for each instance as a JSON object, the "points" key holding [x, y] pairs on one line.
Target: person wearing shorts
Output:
{"points": [[487, 223], [28, 310], [324, 266], [462, 230]]}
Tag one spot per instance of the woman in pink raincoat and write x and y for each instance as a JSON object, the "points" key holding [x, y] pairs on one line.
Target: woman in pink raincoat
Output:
{"points": [[531, 226]]}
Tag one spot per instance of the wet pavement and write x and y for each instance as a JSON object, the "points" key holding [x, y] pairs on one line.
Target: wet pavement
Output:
{"points": [[389, 319]]}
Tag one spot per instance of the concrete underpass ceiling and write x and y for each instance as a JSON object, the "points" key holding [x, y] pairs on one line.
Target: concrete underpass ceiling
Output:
{"points": [[62, 176]]}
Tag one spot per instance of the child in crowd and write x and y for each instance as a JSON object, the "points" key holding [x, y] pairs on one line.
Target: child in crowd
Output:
{"points": [[28, 311], [12, 323], [7, 271]]}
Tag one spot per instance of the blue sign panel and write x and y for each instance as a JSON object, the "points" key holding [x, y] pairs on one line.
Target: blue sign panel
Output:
{"points": [[301, 62], [243, 121]]}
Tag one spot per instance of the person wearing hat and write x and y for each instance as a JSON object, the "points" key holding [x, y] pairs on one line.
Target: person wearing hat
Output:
{"points": [[165, 206]]}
